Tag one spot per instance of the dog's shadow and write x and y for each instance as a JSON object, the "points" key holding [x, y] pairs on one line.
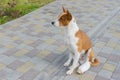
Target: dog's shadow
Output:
{"points": [[56, 68]]}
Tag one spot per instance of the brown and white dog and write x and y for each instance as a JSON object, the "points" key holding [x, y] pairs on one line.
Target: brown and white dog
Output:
{"points": [[78, 42]]}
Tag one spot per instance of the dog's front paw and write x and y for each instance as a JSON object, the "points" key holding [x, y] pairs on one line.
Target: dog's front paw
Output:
{"points": [[69, 72], [66, 64]]}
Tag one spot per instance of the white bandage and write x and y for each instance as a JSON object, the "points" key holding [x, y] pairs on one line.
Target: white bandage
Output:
{"points": [[84, 67]]}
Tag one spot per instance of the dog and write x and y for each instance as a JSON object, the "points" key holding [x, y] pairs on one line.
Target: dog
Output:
{"points": [[79, 43]]}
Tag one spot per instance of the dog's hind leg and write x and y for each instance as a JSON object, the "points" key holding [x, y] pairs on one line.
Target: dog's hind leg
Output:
{"points": [[86, 65]]}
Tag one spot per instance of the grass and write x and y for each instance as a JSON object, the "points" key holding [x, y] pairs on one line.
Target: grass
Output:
{"points": [[12, 9]]}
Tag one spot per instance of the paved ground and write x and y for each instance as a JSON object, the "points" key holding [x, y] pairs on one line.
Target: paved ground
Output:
{"points": [[31, 49]]}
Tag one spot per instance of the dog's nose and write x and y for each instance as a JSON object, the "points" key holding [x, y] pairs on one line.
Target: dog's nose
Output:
{"points": [[52, 23]]}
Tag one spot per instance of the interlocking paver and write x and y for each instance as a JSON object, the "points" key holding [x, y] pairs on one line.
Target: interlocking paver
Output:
{"points": [[32, 53], [30, 75], [6, 60], [107, 50], [41, 64], [115, 58], [86, 77], [107, 74], [11, 75], [109, 67], [15, 64], [116, 75], [102, 59], [10, 52], [100, 78], [103, 54], [2, 74], [21, 52], [25, 67], [111, 44], [2, 66], [43, 76], [99, 44], [32, 49], [97, 69]]}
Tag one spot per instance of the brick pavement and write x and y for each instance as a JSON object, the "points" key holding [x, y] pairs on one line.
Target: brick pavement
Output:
{"points": [[31, 49]]}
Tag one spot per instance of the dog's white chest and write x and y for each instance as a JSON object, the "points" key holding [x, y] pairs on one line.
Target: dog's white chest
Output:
{"points": [[72, 40]]}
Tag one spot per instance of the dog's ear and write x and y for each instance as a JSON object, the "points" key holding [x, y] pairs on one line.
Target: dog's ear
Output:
{"points": [[67, 11], [64, 10], [69, 15]]}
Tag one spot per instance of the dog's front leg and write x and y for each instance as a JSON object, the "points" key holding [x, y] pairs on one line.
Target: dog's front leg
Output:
{"points": [[67, 63], [75, 63]]}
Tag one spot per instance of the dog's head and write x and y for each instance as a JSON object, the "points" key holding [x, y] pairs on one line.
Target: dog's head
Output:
{"points": [[64, 19]]}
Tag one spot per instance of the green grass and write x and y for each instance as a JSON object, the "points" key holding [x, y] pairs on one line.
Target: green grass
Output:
{"points": [[10, 11]]}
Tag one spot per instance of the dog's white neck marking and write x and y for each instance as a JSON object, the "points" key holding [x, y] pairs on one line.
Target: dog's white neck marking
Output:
{"points": [[72, 28], [71, 39]]}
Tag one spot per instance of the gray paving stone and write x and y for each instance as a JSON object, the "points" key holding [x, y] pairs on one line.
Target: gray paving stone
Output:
{"points": [[107, 74], [61, 78], [3, 74], [117, 52], [107, 50], [112, 62], [71, 78], [41, 64], [104, 39], [51, 57], [114, 58], [32, 53], [18, 41], [55, 78], [96, 50], [43, 76], [10, 52], [102, 59], [24, 58], [36, 43], [30, 75], [100, 78], [3, 49], [116, 73], [24, 46], [97, 68], [112, 79], [14, 65], [13, 75], [103, 54], [6, 60]]}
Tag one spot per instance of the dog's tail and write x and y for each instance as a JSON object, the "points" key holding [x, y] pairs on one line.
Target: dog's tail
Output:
{"points": [[94, 61]]}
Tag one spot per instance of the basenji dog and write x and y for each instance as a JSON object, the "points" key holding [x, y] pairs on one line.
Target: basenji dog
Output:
{"points": [[78, 42]]}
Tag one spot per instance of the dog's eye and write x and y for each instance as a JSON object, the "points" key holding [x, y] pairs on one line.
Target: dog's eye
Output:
{"points": [[62, 18]]}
